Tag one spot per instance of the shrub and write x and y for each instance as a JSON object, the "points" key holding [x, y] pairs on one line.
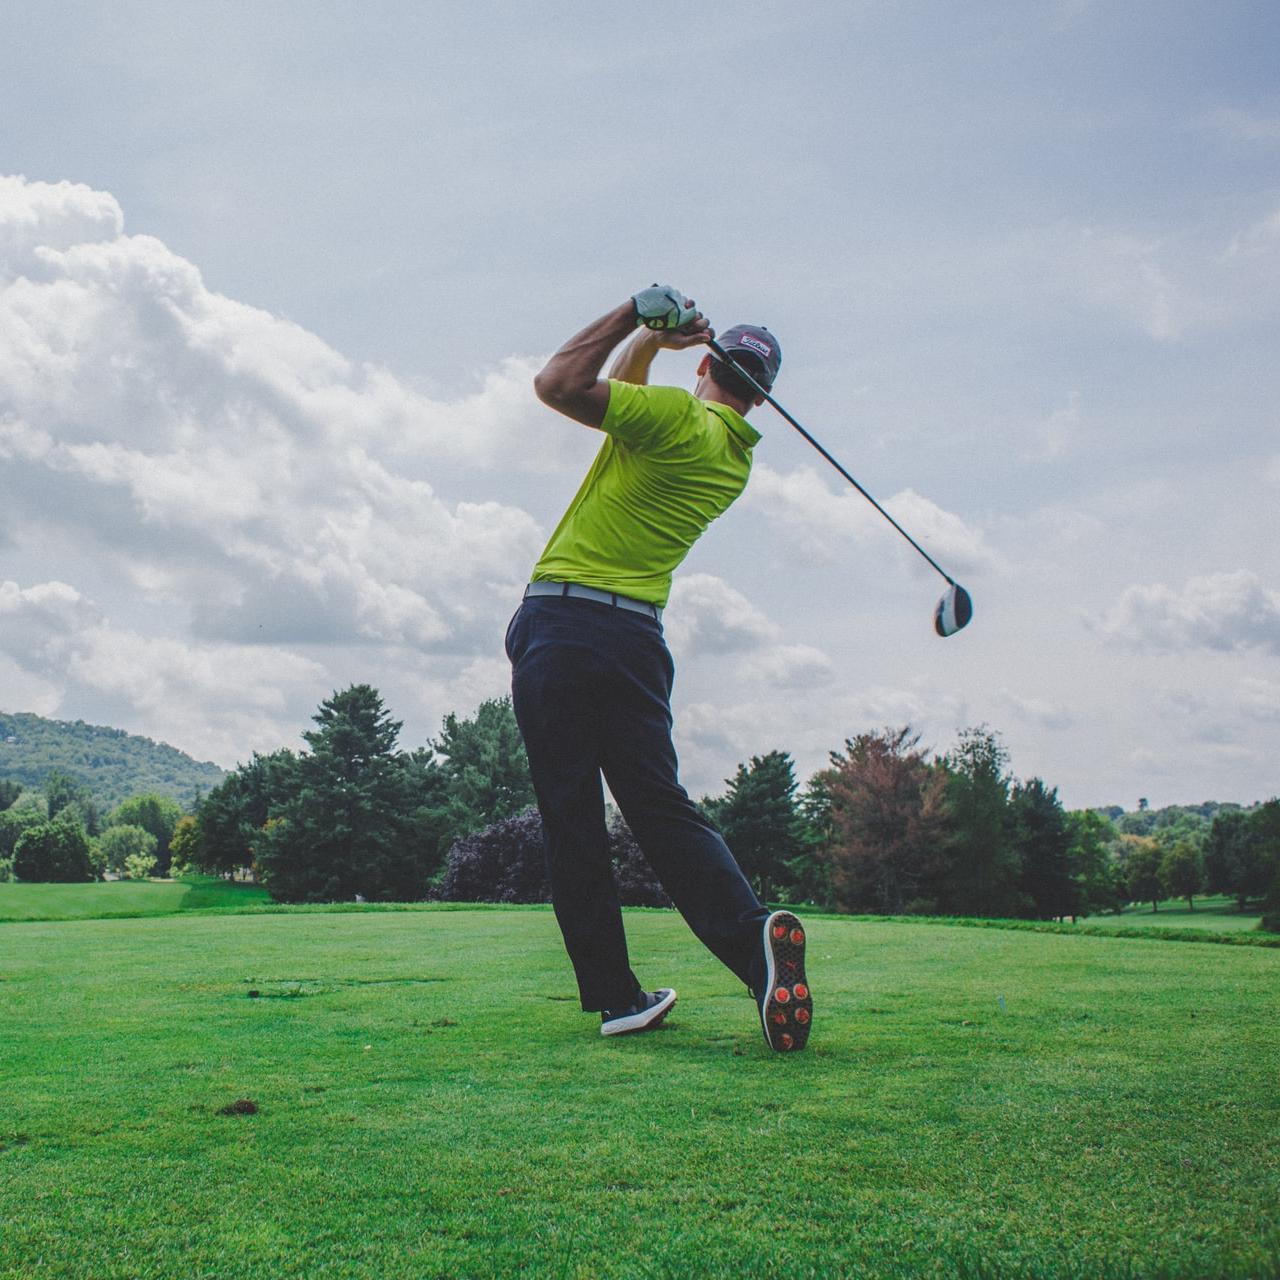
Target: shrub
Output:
{"points": [[505, 863], [54, 852], [138, 866]]}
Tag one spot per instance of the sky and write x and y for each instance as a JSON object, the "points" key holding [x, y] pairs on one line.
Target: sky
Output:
{"points": [[274, 281]]}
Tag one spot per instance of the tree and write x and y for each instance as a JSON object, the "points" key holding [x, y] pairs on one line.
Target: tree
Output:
{"points": [[475, 774], [1143, 870], [1265, 824], [56, 852], [1042, 840], [1099, 883], [810, 870], [13, 822], [1182, 871], [184, 846], [154, 813], [231, 817], [888, 816], [760, 819], [984, 873], [65, 794], [117, 844], [1271, 907], [349, 821], [9, 792], [1228, 851]]}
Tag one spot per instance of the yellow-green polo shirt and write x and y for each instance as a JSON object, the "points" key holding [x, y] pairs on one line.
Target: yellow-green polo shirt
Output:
{"points": [[670, 464]]}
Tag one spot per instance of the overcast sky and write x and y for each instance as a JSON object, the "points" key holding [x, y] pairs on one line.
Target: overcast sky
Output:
{"points": [[274, 280]]}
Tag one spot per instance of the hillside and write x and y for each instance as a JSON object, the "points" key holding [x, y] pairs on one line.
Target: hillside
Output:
{"points": [[111, 763]]}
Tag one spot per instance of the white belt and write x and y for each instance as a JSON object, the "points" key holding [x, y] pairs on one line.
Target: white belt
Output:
{"points": [[578, 592]]}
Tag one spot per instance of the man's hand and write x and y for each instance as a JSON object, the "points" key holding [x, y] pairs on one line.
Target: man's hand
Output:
{"points": [[662, 307], [571, 382]]}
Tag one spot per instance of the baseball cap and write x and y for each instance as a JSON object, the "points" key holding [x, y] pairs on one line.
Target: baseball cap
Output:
{"points": [[754, 340]]}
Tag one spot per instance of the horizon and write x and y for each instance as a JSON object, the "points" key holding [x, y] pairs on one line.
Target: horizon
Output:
{"points": [[1138, 805]]}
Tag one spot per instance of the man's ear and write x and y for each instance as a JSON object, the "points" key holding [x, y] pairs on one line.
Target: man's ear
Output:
{"points": [[704, 366]]}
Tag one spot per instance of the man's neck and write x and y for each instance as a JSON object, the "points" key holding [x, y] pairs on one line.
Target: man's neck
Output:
{"points": [[709, 391]]}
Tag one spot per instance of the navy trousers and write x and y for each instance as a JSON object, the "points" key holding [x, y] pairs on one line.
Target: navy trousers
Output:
{"points": [[591, 688]]}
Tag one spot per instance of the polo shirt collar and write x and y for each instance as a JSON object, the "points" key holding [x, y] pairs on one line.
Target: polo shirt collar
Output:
{"points": [[745, 432]]}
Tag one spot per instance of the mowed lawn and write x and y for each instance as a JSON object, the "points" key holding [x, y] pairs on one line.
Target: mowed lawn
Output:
{"points": [[1217, 914], [431, 1103], [125, 898]]}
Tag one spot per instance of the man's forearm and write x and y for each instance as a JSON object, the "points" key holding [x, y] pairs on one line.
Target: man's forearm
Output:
{"points": [[633, 361], [570, 382]]}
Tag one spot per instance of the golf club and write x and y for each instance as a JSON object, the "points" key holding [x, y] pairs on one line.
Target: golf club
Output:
{"points": [[956, 607]]}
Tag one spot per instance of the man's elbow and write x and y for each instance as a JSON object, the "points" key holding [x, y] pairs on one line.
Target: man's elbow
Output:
{"points": [[548, 388]]}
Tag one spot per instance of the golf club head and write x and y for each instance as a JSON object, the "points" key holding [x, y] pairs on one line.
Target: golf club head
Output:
{"points": [[953, 612]]}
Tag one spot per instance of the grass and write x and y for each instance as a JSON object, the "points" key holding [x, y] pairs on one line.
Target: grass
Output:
{"points": [[431, 1103], [1218, 913], [120, 898]]}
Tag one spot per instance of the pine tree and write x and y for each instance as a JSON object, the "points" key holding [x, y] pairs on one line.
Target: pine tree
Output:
{"points": [[985, 869], [348, 823], [474, 775], [760, 818], [1042, 839]]}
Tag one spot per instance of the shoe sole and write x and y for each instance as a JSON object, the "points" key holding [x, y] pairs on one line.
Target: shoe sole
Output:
{"points": [[645, 1021], [786, 1015]]}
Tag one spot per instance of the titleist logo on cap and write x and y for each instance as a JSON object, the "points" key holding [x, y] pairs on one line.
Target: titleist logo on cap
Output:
{"points": [[749, 340]]}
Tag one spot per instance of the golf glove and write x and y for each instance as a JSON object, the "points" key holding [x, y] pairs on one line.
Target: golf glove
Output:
{"points": [[662, 307]]}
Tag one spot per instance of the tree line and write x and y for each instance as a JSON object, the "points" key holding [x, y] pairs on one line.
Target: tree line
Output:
{"points": [[887, 827], [59, 833]]}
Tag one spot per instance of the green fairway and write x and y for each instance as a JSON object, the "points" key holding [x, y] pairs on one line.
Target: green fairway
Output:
{"points": [[125, 898], [1218, 914], [431, 1103]]}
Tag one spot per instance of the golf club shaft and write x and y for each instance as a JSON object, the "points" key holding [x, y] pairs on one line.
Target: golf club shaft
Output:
{"points": [[738, 369]]}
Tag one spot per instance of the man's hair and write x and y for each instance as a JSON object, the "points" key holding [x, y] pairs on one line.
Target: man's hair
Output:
{"points": [[730, 380]]}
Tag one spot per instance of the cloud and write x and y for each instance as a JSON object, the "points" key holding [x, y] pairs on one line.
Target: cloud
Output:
{"points": [[224, 700], [708, 616], [41, 216], [1043, 712], [1259, 699], [37, 623], [790, 666], [1224, 612], [804, 503], [233, 464]]}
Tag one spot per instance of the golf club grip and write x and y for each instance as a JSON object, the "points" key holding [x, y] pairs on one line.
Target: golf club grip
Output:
{"points": [[738, 369]]}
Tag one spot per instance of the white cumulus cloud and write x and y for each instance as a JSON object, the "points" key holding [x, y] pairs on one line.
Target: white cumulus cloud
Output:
{"points": [[803, 502], [1222, 612], [232, 462]]}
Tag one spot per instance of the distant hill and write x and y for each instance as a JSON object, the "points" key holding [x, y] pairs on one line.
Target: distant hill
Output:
{"points": [[112, 764]]}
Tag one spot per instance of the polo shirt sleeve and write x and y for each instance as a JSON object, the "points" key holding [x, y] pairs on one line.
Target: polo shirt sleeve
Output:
{"points": [[647, 419]]}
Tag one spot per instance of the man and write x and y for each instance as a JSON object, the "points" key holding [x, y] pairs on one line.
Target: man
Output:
{"points": [[591, 674]]}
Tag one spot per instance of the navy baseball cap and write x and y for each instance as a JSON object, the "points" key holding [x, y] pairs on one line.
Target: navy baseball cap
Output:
{"points": [[754, 340]]}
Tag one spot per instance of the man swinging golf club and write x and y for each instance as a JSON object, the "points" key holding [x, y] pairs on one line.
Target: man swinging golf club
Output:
{"points": [[591, 673]]}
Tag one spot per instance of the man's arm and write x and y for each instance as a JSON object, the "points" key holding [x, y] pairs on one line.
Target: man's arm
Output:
{"points": [[571, 383]]}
